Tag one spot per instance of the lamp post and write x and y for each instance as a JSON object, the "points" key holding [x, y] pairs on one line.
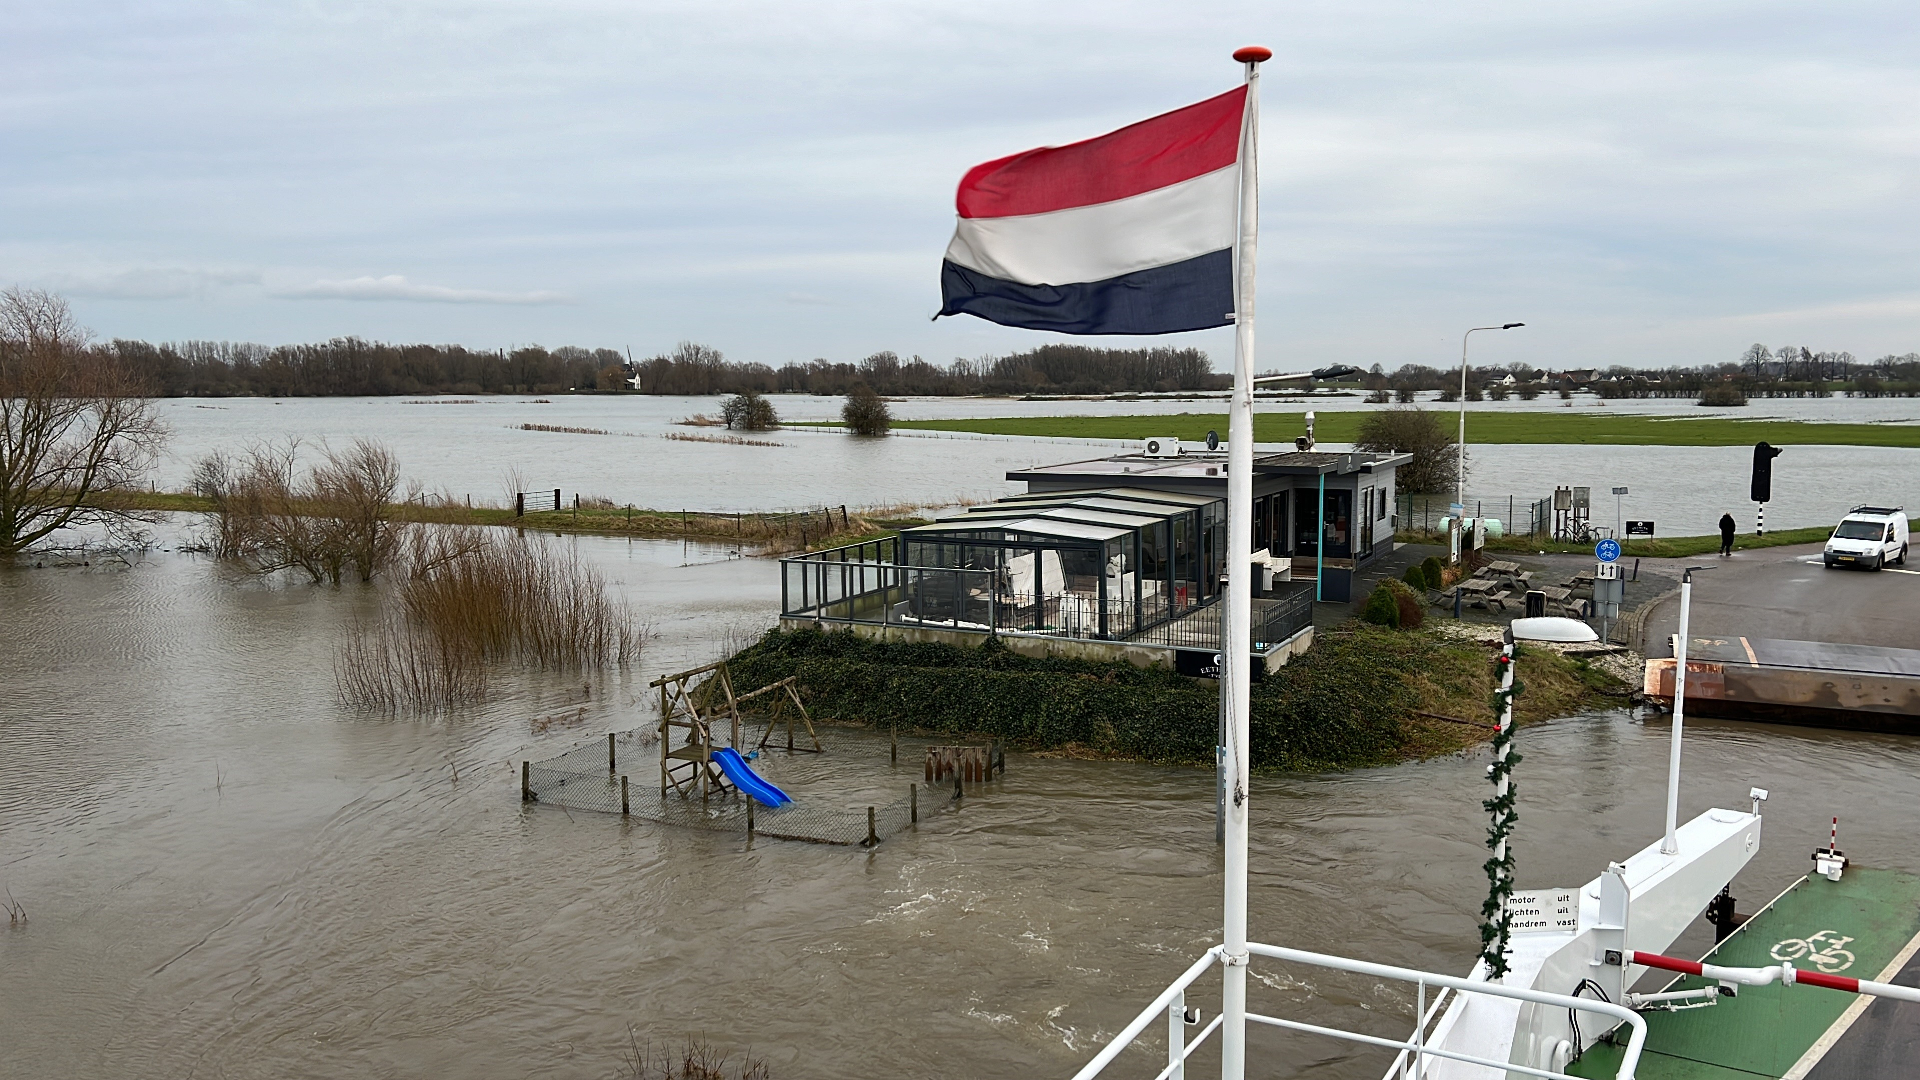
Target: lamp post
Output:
{"points": [[1460, 461]]}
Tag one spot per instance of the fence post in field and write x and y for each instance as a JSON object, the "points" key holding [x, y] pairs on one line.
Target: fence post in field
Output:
{"points": [[519, 504], [556, 499]]}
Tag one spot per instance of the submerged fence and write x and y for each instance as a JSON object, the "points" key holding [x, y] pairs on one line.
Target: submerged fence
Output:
{"points": [[589, 777]]}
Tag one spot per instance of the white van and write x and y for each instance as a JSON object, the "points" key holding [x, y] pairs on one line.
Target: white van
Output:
{"points": [[1869, 536]]}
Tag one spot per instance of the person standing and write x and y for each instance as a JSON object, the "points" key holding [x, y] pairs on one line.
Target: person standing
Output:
{"points": [[1726, 534]]}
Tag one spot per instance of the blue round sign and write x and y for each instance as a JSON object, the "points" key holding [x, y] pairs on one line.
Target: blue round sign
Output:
{"points": [[1607, 550]]}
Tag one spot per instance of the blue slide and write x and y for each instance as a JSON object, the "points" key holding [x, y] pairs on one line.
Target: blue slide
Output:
{"points": [[747, 780]]}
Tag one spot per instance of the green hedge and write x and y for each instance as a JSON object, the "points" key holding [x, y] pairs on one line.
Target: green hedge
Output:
{"points": [[1340, 704]]}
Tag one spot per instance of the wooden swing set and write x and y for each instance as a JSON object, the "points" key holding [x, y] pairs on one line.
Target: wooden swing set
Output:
{"points": [[702, 706]]}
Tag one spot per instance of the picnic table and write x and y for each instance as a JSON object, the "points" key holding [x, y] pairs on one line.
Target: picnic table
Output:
{"points": [[1483, 592], [1562, 598]]}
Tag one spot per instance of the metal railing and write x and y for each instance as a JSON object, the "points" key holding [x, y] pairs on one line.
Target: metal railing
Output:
{"points": [[860, 583], [1417, 514], [1172, 1005]]}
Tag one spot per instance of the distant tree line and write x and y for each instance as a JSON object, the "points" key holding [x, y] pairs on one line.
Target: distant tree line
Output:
{"points": [[1049, 369], [1789, 371], [355, 367]]}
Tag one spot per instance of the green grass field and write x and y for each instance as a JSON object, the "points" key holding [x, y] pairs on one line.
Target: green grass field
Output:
{"points": [[1543, 426]]}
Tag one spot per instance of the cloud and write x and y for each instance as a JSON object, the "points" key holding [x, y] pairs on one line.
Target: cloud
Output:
{"points": [[149, 283], [395, 287]]}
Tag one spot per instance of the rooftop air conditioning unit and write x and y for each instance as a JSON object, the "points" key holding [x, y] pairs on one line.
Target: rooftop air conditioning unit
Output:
{"points": [[1163, 447]]}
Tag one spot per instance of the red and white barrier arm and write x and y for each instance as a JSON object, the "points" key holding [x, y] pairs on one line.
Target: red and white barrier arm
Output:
{"points": [[1785, 973]]}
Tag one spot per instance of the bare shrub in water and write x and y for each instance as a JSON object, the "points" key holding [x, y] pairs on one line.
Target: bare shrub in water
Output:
{"points": [[695, 1060], [336, 519], [472, 598], [392, 665]]}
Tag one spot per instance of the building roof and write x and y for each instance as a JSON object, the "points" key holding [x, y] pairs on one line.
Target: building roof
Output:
{"points": [[1097, 515]]}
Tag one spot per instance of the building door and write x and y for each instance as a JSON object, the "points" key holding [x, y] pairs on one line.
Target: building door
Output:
{"points": [[1339, 529]]}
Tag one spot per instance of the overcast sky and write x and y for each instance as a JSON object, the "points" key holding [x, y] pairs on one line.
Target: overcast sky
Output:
{"points": [[1640, 183]]}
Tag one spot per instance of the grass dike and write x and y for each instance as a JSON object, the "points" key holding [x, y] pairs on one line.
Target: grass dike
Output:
{"points": [[1362, 696]]}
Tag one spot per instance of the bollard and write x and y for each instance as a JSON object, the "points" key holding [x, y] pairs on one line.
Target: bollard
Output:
{"points": [[610, 768], [624, 811], [872, 837], [526, 785], [913, 803]]}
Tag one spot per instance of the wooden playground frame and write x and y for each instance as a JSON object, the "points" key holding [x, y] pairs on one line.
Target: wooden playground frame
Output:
{"points": [[698, 707]]}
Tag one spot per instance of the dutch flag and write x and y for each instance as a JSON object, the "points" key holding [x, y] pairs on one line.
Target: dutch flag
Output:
{"points": [[1128, 233]]}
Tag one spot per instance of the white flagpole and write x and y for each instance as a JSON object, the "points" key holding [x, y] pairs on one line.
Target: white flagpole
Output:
{"points": [[1235, 630]]}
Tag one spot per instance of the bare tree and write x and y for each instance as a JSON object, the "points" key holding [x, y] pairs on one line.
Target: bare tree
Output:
{"points": [[1435, 463], [76, 428]]}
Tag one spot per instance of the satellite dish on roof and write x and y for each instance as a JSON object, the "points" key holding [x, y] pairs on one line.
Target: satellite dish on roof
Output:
{"points": [[1213, 440]]}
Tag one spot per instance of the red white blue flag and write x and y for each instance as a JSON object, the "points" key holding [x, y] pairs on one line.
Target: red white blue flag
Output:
{"points": [[1128, 233]]}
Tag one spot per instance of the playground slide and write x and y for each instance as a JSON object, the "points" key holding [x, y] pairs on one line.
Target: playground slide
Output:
{"points": [[747, 780]]}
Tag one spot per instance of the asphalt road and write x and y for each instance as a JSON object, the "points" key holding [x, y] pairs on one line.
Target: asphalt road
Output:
{"points": [[1785, 592]]}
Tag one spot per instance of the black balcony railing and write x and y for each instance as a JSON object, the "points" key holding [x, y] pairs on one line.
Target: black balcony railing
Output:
{"points": [[860, 583]]}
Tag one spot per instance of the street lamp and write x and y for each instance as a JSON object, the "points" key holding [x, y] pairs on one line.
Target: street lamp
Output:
{"points": [[1460, 463]]}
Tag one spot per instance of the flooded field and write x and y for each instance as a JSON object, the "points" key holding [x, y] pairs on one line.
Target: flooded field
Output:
{"points": [[228, 874], [1682, 489]]}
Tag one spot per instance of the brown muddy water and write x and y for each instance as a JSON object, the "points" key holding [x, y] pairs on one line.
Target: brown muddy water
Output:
{"points": [[229, 875]]}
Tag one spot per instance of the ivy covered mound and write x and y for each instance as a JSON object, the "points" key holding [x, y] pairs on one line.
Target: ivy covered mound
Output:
{"points": [[1360, 696]]}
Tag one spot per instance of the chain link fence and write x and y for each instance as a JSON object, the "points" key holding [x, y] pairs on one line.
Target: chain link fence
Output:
{"points": [[588, 778]]}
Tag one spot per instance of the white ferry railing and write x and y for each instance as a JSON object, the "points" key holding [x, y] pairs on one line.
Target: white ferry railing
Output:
{"points": [[1426, 1015], [1171, 1004]]}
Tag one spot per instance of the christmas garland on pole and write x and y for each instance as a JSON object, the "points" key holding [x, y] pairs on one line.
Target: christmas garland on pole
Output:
{"points": [[1496, 921]]}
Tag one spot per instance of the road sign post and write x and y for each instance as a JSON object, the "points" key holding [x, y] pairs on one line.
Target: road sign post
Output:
{"points": [[1607, 550]]}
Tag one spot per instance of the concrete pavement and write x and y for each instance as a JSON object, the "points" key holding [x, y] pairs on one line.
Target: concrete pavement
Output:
{"points": [[1785, 592]]}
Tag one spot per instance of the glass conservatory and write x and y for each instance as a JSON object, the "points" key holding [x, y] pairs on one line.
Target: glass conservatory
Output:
{"points": [[1078, 564]]}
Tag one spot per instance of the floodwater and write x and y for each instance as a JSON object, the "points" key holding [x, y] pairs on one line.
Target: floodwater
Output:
{"points": [[1683, 490], [228, 874]]}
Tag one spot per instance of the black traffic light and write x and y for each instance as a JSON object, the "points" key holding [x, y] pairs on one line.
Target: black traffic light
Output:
{"points": [[1763, 455]]}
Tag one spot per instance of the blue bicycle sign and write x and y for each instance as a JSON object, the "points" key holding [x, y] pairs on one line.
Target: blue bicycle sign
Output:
{"points": [[1607, 550]]}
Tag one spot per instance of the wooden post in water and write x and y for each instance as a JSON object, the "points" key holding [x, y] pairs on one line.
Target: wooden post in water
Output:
{"points": [[624, 811], [749, 817], [958, 791], [526, 783], [872, 836], [893, 750], [913, 803], [610, 768]]}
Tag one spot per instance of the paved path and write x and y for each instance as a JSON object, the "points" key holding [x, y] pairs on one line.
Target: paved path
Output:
{"points": [[1785, 592]]}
